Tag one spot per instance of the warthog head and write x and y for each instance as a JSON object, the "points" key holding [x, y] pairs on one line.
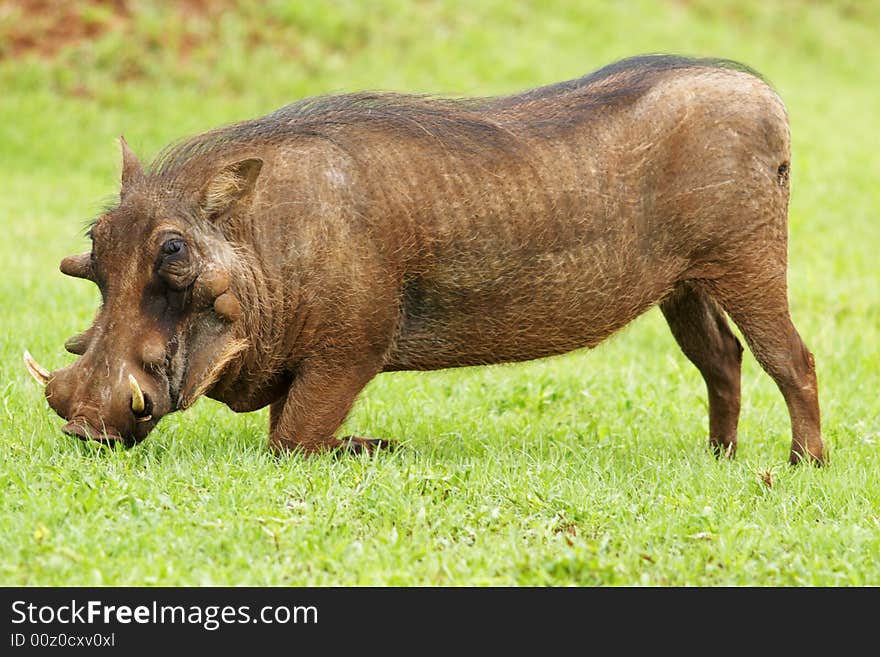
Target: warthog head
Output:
{"points": [[167, 325]]}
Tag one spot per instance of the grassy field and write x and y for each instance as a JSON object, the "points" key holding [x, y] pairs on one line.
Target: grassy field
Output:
{"points": [[587, 469]]}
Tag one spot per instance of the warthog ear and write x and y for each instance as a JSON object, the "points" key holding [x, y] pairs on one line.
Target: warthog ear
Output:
{"points": [[131, 167], [230, 184]]}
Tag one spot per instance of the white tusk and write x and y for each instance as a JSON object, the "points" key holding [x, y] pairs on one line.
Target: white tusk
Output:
{"points": [[40, 374], [137, 397]]}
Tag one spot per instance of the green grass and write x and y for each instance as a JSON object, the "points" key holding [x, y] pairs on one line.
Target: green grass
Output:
{"points": [[588, 469]]}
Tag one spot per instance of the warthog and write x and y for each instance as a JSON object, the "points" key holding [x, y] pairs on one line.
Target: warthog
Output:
{"points": [[287, 260]]}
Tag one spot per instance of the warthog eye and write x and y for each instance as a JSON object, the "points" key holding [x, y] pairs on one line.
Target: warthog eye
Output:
{"points": [[173, 246], [175, 265]]}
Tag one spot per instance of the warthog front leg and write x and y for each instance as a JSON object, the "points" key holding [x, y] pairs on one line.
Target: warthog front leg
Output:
{"points": [[316, 404]]}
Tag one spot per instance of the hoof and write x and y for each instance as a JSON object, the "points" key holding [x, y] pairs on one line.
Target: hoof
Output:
{"points": [[720, 450], [358, 445], [796, 458]]}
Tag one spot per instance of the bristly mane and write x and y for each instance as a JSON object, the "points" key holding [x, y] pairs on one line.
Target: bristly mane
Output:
{"points": [[463, 123]]}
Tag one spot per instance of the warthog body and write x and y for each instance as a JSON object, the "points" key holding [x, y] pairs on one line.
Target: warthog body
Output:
{"points": [[286, 261]]}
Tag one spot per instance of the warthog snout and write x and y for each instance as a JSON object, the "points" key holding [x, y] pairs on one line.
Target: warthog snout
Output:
{"points": [[121, 410]]}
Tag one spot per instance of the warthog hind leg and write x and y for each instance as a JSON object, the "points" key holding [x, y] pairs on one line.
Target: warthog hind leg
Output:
{"points": [[757, 301], [701, 330]]}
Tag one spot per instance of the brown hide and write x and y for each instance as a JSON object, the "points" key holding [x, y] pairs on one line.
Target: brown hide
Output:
{"points": [[286, 261]]}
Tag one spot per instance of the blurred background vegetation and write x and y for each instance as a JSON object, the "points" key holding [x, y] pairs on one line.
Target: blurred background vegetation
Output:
{"points": [[158, 70]]}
